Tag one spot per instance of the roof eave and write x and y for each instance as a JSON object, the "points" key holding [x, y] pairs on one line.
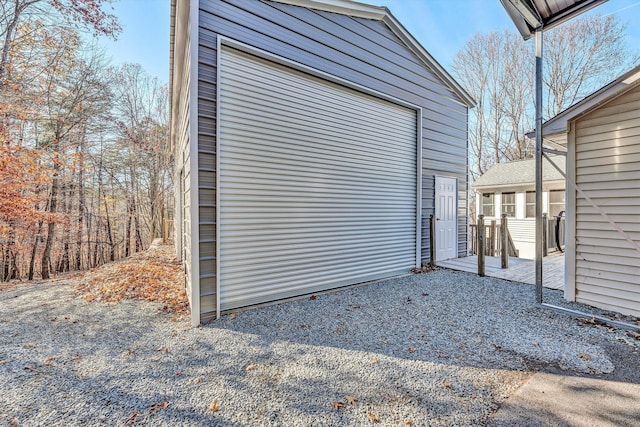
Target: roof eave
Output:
{"points": [[547, 183], [560, 123], [528, 18], [379, 13], [344, 7], [426, 57]]}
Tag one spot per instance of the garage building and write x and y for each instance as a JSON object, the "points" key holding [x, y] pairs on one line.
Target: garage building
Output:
{"points": [[312, 141]]}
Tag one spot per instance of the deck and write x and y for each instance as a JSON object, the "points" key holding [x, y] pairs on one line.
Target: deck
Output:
{"points": [[520, 269]]}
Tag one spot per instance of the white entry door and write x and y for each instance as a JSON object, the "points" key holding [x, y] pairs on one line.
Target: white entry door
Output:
{"points": [[446, 218]]}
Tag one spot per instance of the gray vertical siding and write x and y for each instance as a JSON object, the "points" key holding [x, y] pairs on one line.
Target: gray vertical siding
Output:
{"points": [[363, 51]]}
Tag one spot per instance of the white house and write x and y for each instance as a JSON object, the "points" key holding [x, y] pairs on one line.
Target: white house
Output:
{"points": [[510, 188]]}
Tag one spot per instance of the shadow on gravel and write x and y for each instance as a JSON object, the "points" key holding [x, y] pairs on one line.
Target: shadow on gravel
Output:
{"points": [[445, 317]]}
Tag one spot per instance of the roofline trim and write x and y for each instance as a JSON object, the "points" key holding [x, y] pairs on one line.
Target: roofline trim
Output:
{"points": [[527, 16], [413, 44], [607, 93], [344, 7], [514, 185], [379, 13]]}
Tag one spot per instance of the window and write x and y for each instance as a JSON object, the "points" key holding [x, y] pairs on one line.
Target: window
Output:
{"points": [[509, 204], [488, 204], [530, 209], [556, 202]]}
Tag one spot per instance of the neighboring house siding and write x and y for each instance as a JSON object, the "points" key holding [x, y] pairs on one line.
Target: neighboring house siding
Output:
{"points": [[607, 169], [362, 51]]}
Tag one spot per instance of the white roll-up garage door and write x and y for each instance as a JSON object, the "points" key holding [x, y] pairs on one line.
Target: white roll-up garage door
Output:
{"points": [[317, 183]]}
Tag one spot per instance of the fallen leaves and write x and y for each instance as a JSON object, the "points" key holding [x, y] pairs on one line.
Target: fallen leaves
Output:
{"points": [[134, 416], [446, 384], [158, 406], [351, 400], [585, 356], [412, 350], [153, 275], [214, 406], [373, 361], [313, 297], [424, 269], [251, 367], [634, 335]]}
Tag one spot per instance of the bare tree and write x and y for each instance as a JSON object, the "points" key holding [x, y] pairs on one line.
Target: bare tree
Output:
{"points": [[497, 69]]}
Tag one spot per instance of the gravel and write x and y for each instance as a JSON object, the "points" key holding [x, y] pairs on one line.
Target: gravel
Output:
{"points": [[442, 348]]}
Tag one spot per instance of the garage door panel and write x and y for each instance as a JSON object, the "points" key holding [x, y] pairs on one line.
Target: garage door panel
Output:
{"points": [[317, 183], [258, 292], [282, 102], [315, 167], [262, 129], [270, 146], [330, 96]]}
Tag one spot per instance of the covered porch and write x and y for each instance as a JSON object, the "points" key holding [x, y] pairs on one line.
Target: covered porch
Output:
{"points": [[520, 269]]}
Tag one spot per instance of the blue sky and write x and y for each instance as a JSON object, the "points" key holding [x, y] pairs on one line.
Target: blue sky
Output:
{"points": [[442, 26]]}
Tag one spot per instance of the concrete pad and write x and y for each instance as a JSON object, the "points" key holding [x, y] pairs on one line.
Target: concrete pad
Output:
{"points": [[558, 400]]}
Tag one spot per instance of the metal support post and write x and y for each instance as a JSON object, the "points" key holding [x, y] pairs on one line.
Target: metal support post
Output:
{"points": [[432, 241], [504, 241], [545, 235], [538, 162], [481, 245]]}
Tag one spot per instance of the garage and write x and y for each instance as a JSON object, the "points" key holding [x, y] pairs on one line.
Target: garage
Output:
{"points": [[311, 140], [317, 181]]}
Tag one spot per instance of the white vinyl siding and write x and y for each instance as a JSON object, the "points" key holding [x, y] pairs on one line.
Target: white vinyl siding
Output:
{"points": [[607, 165], [316, 181]]}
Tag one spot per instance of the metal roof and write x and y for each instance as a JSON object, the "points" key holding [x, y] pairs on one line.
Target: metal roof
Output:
{"points": [[532, 15], [518, 173]]}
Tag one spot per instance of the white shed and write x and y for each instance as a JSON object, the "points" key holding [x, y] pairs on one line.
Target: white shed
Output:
{"points": [[602, 134]]}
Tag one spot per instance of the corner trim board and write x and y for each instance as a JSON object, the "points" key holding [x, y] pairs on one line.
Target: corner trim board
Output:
{"points": [[193, 159], [218, 91]]}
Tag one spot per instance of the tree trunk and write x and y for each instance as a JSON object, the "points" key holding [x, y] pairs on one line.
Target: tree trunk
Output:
{"points": [[112, 251], [63, 264], [127, 232], [81, 205], [53, 203], [34, 251], [136, 222]]}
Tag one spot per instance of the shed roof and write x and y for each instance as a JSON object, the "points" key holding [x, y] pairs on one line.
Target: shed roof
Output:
{"points": [[531, 15], [560, 123], [519, 172]]}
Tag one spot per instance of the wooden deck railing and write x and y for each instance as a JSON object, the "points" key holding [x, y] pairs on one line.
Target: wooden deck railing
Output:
{"points": [[552, 241], [493, 243]]}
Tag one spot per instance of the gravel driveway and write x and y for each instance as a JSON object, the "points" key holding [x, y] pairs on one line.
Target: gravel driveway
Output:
{"points": [[442, 348]]}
